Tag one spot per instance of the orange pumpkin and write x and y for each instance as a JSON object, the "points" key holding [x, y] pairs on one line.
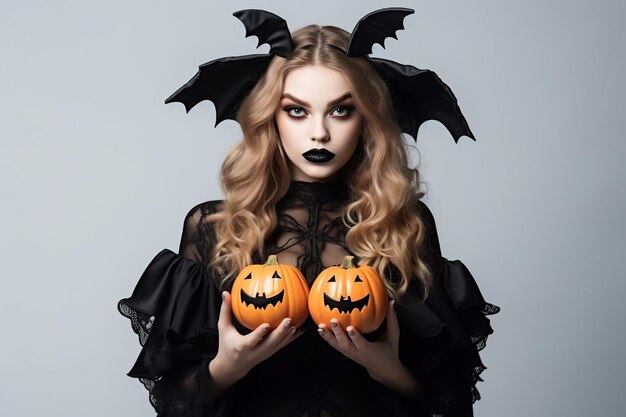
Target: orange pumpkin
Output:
{"points": [[355, 296], [269, 293]]}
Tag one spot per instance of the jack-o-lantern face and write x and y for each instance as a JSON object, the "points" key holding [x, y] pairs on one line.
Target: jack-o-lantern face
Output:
{"points": [[269, 293], [354, 296], [261, 301]]}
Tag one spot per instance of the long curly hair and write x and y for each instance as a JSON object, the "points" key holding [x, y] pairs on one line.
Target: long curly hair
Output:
{"points": [[384, 227]]}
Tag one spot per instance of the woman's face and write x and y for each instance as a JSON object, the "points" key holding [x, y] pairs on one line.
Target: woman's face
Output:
{"points": [[318, 125]]}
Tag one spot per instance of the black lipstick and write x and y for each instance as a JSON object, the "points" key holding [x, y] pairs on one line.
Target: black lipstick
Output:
{"points": [[318, 155]]}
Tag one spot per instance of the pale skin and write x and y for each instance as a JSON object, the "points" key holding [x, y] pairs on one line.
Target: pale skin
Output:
{"points": [[316, 111]]}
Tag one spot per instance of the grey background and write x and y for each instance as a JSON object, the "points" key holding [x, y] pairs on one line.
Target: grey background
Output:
{"points": [[97, 174]]}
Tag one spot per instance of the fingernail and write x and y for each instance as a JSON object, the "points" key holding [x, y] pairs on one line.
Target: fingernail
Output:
{"points": [[292, 330], [288, 323], [333, 323], [223, 295], [351, 332], [265, 329], [321, 332]]}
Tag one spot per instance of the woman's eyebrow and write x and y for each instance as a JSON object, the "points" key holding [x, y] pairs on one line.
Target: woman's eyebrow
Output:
{"points": [[339, 99], [303, 103]]}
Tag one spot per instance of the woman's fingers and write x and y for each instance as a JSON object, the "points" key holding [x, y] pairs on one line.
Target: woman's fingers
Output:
{"points": [[253, 338], [343, 340], [327, 335], [284, 330], [293, 335], [280, 336], [358, 340]]}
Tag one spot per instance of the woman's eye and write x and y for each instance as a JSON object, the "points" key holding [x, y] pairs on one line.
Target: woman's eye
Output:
{"points": [[342, 111], [296, 112]]}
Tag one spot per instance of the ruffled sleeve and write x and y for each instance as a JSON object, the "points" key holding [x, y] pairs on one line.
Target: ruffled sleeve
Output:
{"points": [[174, 310], [442, 336]]}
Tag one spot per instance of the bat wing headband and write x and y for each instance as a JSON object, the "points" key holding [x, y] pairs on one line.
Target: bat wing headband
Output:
{"points": [[418, 95]]}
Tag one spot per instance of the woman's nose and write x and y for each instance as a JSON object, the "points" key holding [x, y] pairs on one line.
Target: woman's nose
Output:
{"points": [[320, 131]]}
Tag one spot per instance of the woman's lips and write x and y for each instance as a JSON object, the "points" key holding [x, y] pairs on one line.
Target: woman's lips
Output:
{"points": [[318, 156]]}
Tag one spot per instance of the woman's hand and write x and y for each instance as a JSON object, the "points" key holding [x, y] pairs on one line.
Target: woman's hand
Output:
{"points": [[380, 358], [238, 353], [373, 356]]}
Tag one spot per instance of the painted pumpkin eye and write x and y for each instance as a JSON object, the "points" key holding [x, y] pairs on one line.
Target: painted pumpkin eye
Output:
{"points": [[276, 275], [332, 279], [358, 279], [249, 276]]}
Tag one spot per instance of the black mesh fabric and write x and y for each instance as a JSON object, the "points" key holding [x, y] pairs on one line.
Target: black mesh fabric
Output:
{"points": [[175, 307]]}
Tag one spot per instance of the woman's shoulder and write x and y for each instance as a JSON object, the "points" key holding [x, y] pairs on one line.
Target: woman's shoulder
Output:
{"points": [[196, 217], [204, 209], [198, 231]]}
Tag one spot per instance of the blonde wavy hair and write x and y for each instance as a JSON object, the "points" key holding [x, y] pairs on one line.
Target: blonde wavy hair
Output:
{"points": [[384, 227]]}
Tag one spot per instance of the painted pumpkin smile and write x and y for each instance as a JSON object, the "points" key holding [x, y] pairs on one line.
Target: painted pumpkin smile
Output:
{"points": [[261, 301], [346, 305]]}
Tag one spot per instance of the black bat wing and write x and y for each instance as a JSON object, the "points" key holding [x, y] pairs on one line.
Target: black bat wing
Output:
{"points": [[375, 28], [269, 28], [420, 95], [225, 82]]}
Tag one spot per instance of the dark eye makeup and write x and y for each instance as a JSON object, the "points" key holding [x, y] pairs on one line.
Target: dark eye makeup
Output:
{"points": [[295, 112], [343, 111]]}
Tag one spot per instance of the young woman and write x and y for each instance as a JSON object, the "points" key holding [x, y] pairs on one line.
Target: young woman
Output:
{"points": [[321, 173]]}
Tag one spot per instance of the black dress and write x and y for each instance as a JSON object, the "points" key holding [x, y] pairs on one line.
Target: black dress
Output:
{"points": [[175, 308]]}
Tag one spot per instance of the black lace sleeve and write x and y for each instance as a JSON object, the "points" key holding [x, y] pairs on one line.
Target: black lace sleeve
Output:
{"points": [[174, 310], [441, 337]]}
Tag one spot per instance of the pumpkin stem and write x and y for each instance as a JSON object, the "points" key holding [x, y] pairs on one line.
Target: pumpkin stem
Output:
{"points": [[347, 262], [272, 260]]}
